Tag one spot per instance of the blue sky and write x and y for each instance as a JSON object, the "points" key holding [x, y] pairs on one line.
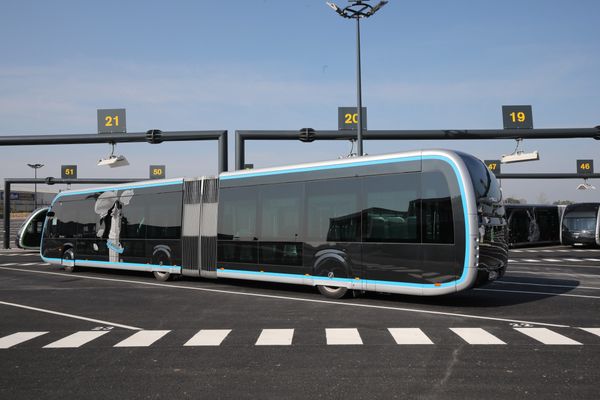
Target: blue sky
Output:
{"points": [[288, 64]]}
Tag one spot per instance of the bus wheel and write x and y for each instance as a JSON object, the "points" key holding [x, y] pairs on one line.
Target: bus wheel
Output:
{"points": [[69, 255], [162, 276], [331, 270]]}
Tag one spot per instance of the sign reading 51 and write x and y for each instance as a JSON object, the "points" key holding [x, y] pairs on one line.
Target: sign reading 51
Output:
{"points": [[68, 171]]}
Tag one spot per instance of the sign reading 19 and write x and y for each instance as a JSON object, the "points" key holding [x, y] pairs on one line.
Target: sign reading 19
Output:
{"points": [[517, 116]]}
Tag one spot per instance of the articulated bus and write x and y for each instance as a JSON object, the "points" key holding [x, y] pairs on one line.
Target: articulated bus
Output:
{"points": [[421, 223], [533, 225], [581, 225]]}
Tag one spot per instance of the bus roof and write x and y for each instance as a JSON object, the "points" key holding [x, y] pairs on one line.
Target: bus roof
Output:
{"points": [[352, 161]]}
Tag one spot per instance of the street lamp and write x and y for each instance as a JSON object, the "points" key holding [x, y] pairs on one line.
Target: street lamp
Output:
{"points": [[35, 168], [358, 9]]}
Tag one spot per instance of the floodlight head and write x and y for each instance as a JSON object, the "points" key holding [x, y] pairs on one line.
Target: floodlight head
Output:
{"points": [[377, 7], [113, 161], [585, 186], [333, 6], [520, 157]]}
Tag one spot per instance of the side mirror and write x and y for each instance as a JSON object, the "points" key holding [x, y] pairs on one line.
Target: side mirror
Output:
{"points": [[50, 214]]}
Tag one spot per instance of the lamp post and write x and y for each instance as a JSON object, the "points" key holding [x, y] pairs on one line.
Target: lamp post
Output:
{"points": [[358, 9], [35, 168]]}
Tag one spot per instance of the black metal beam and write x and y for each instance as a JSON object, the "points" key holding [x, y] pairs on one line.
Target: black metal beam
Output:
{"points": [[49, 181], [152, 136], [446, 134], [548, 176]]}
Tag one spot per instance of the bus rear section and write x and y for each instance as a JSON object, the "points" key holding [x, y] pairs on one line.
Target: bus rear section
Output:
{"points": [[581, 225], [161, 226]]}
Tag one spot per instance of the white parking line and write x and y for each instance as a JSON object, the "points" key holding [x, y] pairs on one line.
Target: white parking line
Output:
{"points": [[275, 337], [546, 336], [343, 336], [538, 293], [595, 331], [476, 336], [409, 336], [545, 285], [75, 340], [142, 339], [12, 340], [299, 299], [208, 337], [8, 264], [69, 315]]}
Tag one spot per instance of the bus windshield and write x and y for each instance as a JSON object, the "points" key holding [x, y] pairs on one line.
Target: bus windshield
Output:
{"points": [[486, 187], [580, 221]]}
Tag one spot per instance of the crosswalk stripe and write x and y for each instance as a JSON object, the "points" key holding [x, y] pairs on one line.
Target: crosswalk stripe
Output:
{"points": [[142, 339], [546, 336], [30, 264], [551, 259], [573, 259], [77, 339], [409, 336], [476, 336], [275, 337], [7, 264], [208, 337], [12, 340], [336, 336], [592, 259], [530, 260], [595, 331]]}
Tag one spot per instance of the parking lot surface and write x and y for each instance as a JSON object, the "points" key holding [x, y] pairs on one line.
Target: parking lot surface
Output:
{"points": [[104, 333]]}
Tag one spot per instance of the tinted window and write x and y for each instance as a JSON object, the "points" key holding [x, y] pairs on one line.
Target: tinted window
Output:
{"points": [[163, 218], [134, 217], [281, 212], [333, 212], [437, 221], [484, 182], [237, 213], [391, 208]]}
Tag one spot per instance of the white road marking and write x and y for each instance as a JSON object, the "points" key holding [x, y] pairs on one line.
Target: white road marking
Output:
{"points": [[543, 264], [530, 260], [546, 285], [595, 331], [538, 293], [75, 340], [551, 259], [476, 336], [573, 259], [142, 339], [12, 340], [69, 315], [546, 336], [208, 337], [592, 259], [8, 264], [268, 296], [343, 336], [409, 336], [30, 264], [567, 274], [275, 337]]}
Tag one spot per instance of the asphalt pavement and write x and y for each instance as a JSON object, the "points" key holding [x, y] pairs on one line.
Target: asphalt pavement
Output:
{"points": [[118, 334]]}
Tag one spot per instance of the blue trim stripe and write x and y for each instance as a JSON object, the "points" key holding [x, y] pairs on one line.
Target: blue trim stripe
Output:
{"points": [[463, 276], [115, 264]]}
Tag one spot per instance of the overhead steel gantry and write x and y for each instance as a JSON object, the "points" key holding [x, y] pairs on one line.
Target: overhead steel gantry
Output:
{"points": [[153, 136], [309, 135]]}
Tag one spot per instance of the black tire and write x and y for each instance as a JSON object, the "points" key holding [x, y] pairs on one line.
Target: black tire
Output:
{"points": [[162, 276], [161, 258], [69, 254], [332, 269]]}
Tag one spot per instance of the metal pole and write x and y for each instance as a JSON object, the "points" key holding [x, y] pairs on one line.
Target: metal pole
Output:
{"points": [[6, 214], [35, 189], [223, 162], [240, 150], [359, 147]]}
